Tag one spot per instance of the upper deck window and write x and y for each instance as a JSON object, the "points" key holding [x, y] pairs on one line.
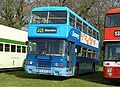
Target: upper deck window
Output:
{"points": [[112, 20], [49, 17]]}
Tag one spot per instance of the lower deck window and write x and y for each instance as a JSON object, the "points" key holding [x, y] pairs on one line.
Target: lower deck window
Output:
{"points": [[13, 48], [85, 52], [1, 47], [7, 47], [18, 49], [23, 49]]}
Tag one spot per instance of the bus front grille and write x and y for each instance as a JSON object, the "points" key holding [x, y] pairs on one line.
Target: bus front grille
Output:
{"points": [[43, 63]]}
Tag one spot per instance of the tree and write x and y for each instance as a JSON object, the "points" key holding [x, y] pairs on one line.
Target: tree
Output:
{"points": [[6, 12], [12, 13]]}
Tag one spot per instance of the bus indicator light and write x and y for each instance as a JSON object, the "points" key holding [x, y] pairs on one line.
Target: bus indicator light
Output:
{"points": [[61, 64]]}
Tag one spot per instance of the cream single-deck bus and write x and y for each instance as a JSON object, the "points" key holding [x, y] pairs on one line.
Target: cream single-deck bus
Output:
{"points": [[13, 48]]}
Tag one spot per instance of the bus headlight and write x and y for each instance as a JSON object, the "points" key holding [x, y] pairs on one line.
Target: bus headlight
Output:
{"points": [[56, 64], [30, 62], [109, 70]]}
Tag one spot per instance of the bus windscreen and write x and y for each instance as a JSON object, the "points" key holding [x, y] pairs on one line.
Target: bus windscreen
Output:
{"points": [[112, 51], [49, 17], [47, 47]]}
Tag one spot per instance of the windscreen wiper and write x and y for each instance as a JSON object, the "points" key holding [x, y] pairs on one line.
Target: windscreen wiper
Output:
{"points": [[40, 53]]}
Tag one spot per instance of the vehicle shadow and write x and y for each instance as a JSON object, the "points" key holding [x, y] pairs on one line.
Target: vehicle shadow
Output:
{"points": [[23, 74], [97, 77]]}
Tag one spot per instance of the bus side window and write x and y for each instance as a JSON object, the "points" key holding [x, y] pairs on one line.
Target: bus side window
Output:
{"points": [[84, 52], [89, 53], [97, 36], [94, 34], [1, 47], [78, 24], [79, 51], [23, 49], [72, 20], [94, 54], [19, 49], [90, 31], [7, 47], [84, 28], [13, 48]]}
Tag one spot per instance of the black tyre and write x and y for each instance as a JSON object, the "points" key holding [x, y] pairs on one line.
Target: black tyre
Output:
{"points": [[93, 67], [77, 69]]}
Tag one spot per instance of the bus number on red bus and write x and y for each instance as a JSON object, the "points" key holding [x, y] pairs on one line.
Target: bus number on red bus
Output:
{"points": [[117, 33]]}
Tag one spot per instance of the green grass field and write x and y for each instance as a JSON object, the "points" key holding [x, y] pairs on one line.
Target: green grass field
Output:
{"points": [[21, 79]]}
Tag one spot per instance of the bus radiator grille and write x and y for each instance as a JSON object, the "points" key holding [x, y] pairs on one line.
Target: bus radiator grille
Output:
{"points": [[43, 63]]}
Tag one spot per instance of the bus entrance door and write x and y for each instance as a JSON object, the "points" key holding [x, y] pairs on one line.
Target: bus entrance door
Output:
{"points": [[70, 57]]}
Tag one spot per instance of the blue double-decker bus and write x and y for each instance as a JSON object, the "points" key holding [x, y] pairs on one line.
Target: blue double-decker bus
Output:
{"points": [[61, 43]]}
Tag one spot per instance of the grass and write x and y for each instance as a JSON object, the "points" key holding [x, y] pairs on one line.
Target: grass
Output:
{"points": [[21, 79]]}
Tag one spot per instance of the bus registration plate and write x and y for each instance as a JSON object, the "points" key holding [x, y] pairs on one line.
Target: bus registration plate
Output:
{"points": [[43, 71]]}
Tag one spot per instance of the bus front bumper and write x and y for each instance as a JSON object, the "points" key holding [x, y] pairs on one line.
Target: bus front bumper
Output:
{"points": [[45, 71]]}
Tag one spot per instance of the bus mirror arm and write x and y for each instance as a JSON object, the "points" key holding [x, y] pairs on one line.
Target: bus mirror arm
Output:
{"points": [[26, 42]]}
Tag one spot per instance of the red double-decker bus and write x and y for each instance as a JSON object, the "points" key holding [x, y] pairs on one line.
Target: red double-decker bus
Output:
{"points": [[111, 43]]}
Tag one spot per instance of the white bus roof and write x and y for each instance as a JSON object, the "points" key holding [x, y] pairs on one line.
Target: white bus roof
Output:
{"points": [[12, 33]]}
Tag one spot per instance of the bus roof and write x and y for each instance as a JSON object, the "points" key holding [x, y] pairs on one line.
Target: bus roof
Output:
{"points": [[12, 33], [57, 8], [50, 8], [113, 11]]}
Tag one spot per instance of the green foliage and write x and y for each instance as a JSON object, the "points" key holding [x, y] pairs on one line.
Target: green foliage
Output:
{"points": [[23, 65], [11, 13]]}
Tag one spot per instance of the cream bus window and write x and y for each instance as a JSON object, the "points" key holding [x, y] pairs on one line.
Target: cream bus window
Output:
{"points": [[18, 49], [7, 48], [1, 47], [13, 48]]}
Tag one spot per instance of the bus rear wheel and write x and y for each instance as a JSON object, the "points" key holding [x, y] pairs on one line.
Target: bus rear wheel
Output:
{"points": [[93, 67], [76, 69]]}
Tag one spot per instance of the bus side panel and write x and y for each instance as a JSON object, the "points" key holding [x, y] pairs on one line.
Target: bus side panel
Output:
{"points": [[86, 64], [11, 60], [109, 33], [111, 69]]}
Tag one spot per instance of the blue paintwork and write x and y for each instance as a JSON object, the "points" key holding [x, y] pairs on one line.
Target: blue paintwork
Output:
{"points": [[58, 8], [64, 31]]}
